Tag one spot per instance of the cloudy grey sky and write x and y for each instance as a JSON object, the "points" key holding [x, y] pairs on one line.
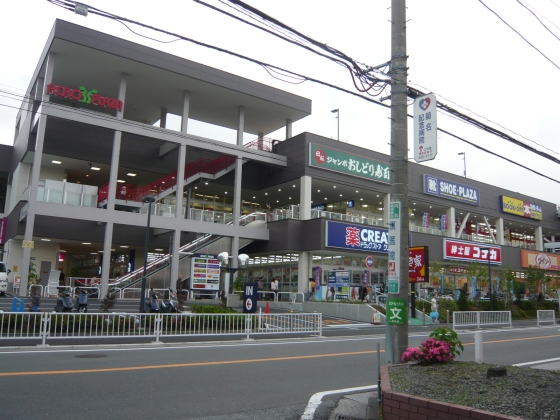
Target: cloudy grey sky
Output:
{"points": [[458, 50]]}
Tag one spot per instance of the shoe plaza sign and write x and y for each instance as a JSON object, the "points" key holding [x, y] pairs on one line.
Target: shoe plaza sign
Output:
{"points": [[86, 96], [346, 163], [451, 190]]}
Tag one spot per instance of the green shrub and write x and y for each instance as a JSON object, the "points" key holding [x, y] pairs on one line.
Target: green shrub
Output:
{"points": [[450, 337], [211, 309]]}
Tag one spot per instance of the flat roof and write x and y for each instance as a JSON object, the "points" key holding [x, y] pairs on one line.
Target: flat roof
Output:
{"points": [[85, 57]]}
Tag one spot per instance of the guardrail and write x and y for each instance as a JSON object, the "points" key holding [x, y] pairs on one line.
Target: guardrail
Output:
{"points": [[481, 318], [546, 316], [291, 296], [51, 325]]}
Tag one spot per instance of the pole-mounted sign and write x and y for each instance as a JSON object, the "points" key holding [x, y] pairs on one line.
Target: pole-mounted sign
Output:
{"points": [[394, 246], [425, 128]]}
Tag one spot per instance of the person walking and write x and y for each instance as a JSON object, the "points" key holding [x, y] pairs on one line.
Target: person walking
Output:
{"points": [[434, 314], [259, 288], [274, 288], [311, 289]]}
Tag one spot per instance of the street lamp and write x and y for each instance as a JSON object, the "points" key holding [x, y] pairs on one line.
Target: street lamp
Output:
{"points": [[337, 123], [148, 200], [464, 163], [489, 278], [223, 259]]}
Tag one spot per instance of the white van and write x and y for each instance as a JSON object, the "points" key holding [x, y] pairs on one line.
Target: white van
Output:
{"points": [[3, 278]]}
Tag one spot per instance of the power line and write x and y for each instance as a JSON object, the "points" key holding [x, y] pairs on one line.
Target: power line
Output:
{"points": [[540, 21], [514, 30]]}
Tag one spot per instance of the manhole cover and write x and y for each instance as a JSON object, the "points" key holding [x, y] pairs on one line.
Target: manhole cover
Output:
{"points": [[90, 356]]}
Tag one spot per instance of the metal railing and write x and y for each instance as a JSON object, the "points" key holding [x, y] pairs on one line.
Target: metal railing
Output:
{"points": [[481, 318], [50, 326], [546, 316], [291, 296], [317, 214]]}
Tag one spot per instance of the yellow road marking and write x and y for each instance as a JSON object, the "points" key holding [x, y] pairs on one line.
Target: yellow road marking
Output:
{"points": [[224, 362]]}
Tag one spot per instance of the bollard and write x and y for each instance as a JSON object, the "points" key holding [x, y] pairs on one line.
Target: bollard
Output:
{"points": [[448, 317], [478, 351], [378, 375], [291, 316]]}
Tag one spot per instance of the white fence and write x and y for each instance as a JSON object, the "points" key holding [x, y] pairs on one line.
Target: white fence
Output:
{"points": [[478, 319], [545, 316], [50, 325]]}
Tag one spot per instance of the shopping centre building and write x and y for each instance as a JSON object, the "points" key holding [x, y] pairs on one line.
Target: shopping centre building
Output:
{"points": [[92, 142]]}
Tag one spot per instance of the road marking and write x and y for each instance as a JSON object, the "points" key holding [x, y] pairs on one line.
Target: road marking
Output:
{"points": [[224, 362], [316, 399]]}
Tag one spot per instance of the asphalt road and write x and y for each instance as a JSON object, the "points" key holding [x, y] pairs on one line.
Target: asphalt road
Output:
{"points": [[240, 379]]}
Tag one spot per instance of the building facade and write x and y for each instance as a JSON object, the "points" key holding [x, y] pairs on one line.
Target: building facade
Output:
{"points": [[92, 142]]}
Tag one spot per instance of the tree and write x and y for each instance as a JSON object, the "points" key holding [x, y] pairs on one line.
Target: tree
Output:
{"points": [[478, 271], [535, 278], [462, 302], [32, 277]]}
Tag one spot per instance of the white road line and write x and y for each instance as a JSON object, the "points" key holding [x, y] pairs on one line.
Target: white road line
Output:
{"points": [[538, 362], [315, 400]]}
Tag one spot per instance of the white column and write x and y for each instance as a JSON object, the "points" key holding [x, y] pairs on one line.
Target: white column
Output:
{"points": [[304, 272], [288, 129], [386, 202], [113, 175], [240, 125], [305, 197], [539, 239], [34, 182], [450, 222], [163, 118], [500, 231], [237, 187], [178, 212]]}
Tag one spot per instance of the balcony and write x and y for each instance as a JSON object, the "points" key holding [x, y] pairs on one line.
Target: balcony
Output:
{"points": [[59, 192]]}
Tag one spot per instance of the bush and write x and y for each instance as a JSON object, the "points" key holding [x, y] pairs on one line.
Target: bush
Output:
{"points": [[462, 302], [210, 309], [450, 337], [431, 351]]}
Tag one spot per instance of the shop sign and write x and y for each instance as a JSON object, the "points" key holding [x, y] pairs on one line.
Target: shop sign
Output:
{"points": [[346, 163], [451, 190], [370, 261], [396, 312], [356, 237], [338, 277], [543, 260], [83, 95], [520, 207], [469, 251], [418, 261], [3, 229], [425, 128], [457, 270], [205, 271], [394, 247]]}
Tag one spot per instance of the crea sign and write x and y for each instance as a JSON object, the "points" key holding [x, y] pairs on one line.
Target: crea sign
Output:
{"points": [[542, 260], [469, 251], [520, 207], [346, 163], [356, 237], [83, 95]]}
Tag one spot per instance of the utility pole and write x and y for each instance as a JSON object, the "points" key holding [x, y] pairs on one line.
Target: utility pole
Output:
{"points": [[397, 335]]}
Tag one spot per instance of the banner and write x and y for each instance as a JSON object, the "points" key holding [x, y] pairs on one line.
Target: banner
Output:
{"points": [[451, 190], [426, 220], [418, 264], [543, 260], [425, 128], [469, 251], [318, 278], [520, 207], [443, 221], [346, 163], [356, 237]]}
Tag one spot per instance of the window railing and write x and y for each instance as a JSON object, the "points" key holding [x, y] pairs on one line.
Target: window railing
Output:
{"points": [[61, 196]]}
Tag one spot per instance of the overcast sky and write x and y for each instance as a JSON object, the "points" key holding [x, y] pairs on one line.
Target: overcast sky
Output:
{"points": [[458, 50]]}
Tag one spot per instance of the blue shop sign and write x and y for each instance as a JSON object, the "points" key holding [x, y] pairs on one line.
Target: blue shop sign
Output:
{"points": [[451, 190], [356, 237]]}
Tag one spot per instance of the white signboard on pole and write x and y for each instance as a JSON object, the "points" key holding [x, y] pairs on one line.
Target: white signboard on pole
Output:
{"points": [[425, 128], [394, 254]]}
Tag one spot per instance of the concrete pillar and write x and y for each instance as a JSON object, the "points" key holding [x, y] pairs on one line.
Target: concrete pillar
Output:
{"points": [[500, 231], [163, 118], [240, 125], [184, 126], [288, 129], [304, 272], [539, 239], [113, 175], [386, 201], [178, 212], [188, 206], [34, 182], [260, 141], [305, 197], [450, 222]]}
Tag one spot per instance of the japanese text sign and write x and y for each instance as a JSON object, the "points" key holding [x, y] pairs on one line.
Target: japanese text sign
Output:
{"points": [[338, 161], [357, 237], [520, 207], [469, 251], [418, 264], [396, 312], [425, 128], [543, 260], [205, 271], [451, 190], [394, 254]]}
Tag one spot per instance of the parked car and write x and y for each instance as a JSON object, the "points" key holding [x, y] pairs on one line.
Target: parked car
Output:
{"points": [[3, 278]]}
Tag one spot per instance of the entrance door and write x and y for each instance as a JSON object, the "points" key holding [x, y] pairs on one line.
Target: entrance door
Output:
{"points": [[45, 272]]}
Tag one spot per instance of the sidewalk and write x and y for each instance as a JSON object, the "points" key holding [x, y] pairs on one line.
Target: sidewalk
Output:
{"points": [[362, 406]]}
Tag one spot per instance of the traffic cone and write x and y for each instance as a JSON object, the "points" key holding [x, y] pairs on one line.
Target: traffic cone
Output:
{"points": [[266, 309]]}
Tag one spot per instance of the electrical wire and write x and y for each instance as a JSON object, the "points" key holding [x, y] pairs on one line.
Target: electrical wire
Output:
{"points": [[540, 21], [514, 30]]}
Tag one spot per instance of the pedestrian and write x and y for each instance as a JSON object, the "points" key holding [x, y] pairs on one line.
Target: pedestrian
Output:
{"points": [[434, 314], [311, 289], [330, 294], [61, 277], [364, 292], [179, 283], [259, 288], [274, 288]]}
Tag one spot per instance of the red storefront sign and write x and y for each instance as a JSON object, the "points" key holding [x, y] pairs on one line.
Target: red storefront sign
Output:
{"points": [[470, 251], [83, 95], [418, 264]]}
